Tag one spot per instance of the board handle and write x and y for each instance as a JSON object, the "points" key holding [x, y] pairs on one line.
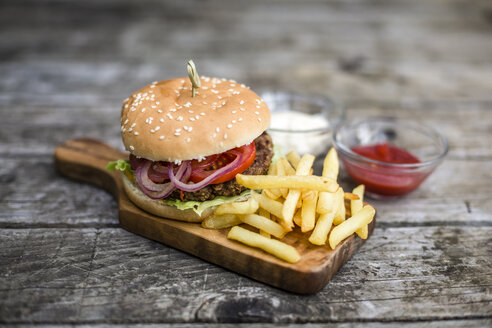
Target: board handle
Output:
{"points": [[86, 159]]}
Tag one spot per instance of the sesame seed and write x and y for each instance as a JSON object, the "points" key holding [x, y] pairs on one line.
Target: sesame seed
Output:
{"points": [[132, 148], [182, 81], [197, 117], [204, 87], [234, 111], [191, 118], [221, 144], [170, 116], [161, 137], [214, 91], [259, 119], [232, 84], [159, 110], [229, 126], [204, 102], [180, 118], [241, 102], [217, 129], [214, 135], [188, 104], [178, 130], [161, 120], [258, 101], [257, 113], [177, 133], [135, 133], [202, 113], [240, 119], [242, 109], [153, 106], [133, 125], [190, 128], [188, 139], [126, 105], [126, 121], [172, 109], [233, 121], [157, 128], [242, 85], [225, 135], [157, 103], [132, 109], [143, 109], [257, 106], [219, 97], [190, 111], [230, 90], [152, 131]]}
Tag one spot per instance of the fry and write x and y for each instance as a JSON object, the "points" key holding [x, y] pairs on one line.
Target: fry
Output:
{"points": [[292, 182], [349, 226], [298, 218], [293, 158], [272, 246], [264, 213], [272, 193], [356, 207], [340, 211], [323, 226], [308, 210], [289, 170], [350, 196], [331, 165], [281, 173], [289, 208], [220, 221], [272, 206], [265, 234], [248, 207], [264, 224], [326, 202]]}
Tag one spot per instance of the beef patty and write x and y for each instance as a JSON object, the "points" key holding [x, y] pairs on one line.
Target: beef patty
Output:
{"points": [[264, 154]]}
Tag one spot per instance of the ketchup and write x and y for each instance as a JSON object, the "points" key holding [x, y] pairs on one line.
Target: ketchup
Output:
{"points": [[382, 179]]}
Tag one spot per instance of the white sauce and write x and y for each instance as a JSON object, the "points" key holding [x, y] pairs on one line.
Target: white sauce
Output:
{"points": [[302, 142]]}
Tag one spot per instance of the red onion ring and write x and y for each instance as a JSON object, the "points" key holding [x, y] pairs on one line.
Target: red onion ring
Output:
{"points": [[199, 185], [164, 189]]}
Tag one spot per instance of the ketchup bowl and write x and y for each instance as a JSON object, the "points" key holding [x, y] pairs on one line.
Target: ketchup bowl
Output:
{"points": [[390, 156]]}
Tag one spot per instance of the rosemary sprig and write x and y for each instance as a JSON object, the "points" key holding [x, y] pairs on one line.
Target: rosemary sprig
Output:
{"points": [[194, 77]]}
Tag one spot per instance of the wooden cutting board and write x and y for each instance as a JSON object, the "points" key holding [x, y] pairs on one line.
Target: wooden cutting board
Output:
{"points": [[86, 159]]}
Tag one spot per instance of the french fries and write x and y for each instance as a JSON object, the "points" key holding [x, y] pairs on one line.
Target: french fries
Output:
{"points": [[312, 182], [272, 246], [264, 224], [356, 207], [293, 158], [290, 203], [308, 210], [291, 196], [351, 225], [322, 228], [220, 221], [248, 207], [272, 206]]}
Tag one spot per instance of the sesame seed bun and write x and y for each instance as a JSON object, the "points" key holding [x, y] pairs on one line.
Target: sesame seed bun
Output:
{"points": [[163, 122]]}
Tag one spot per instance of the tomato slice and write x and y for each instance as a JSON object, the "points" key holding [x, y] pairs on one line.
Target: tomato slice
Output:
{"points": [[201, 170]]}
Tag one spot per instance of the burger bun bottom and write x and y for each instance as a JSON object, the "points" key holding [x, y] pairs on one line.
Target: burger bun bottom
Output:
{"points": [[157, 207]]}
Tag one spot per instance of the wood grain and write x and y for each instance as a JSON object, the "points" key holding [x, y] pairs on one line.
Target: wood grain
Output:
{"points": [[65, 68], [86, 159]]}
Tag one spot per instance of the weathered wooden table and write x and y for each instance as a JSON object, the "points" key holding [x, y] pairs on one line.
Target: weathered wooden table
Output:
{"points": [[65, 67]]}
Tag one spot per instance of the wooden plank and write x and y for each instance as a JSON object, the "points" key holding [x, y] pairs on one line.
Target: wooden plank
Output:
{"points": [[109, 275]]}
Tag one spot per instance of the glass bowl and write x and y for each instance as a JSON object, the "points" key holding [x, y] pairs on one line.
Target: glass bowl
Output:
{"points": [[302, 123], [384, 179]]}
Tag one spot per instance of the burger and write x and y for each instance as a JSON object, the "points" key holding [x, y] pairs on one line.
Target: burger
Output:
{"points": [[188, 138]]}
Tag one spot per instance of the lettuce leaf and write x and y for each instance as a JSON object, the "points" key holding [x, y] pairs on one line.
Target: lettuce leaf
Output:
{"points": [[199, 207], [121, 165]]}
